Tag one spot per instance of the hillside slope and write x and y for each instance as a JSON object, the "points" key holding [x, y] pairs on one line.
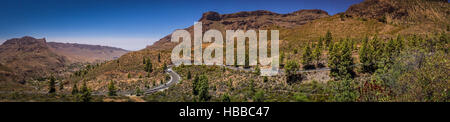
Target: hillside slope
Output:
{"points": [[30, 58], [384, 18], [86, 53], [295, 29]]}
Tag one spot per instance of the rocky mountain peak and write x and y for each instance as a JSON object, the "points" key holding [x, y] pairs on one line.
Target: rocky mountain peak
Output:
{"points": [[211, 15], [309, 11], [26, 40]]}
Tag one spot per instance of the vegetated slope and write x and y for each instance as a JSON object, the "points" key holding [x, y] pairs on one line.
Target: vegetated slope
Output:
{"points": [[30, 58], [6, 78], [385, 18], [295, 29], [417, 84], [402, 11], [416, 16], [86, 53]]}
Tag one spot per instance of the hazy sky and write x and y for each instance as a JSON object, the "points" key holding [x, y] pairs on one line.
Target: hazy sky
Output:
{"points": [[128, 24]]}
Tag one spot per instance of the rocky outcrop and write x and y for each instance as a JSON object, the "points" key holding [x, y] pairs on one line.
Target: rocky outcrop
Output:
{"points": [[213, 16]]}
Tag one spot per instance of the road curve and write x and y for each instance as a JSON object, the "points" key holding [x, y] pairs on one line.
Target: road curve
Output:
{"points": [[174, 79]]}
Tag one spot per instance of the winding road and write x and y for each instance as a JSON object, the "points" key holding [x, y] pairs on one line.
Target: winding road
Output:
{"points": [[174, 79]]}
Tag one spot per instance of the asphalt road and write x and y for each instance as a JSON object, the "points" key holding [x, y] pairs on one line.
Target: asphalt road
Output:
{"points": [[174, 79]]}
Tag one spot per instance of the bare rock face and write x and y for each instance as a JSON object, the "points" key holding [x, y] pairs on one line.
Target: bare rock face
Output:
{"points": [[26, 43], [375, 9], [26, 40], [213, 16], [403, 11], [249, 13]]}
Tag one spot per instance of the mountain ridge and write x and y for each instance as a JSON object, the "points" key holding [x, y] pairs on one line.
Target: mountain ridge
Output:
{"points": [[31, 58]]}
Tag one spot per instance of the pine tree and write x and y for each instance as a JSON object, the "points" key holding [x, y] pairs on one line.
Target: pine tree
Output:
{"points": [[189, 75], [377, 52], [138, 92], [320, 43], [164, 66], [85, 93], [370, 55], [389, 51], [129, 75], [74, 89], [328, 38], [291, 69], [306, 57], [159, 57], [51, 85], [365, 56], [346, 61], [195, 85], [143, 60], [341, 61], [265, 79], [333, 60], [111, 89], [257, 70], [317, 53], [398, 44], [226, 98], [246, 62], [251, 87], [230, 85], [148, 66], [203, 88], [387, 57]]}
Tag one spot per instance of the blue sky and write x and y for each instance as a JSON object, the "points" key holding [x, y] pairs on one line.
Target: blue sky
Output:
{"points": [[128, 24]]}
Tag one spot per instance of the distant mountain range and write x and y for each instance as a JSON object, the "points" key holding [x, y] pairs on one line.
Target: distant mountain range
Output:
{"points": [[28, 57], [86, 53]]}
